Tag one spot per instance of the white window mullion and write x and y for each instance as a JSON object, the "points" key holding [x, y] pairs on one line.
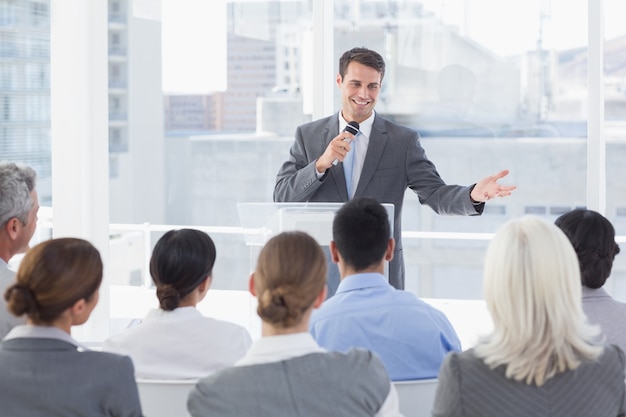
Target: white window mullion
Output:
{"points": [[596, 144], [80, 151]]}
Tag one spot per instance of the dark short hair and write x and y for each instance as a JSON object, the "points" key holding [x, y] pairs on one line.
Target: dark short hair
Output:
{"points": [[363, 56], [361, 232], [180, 261], [593, 237]]}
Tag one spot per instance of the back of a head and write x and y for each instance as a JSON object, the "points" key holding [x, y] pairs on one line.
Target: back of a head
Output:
{"points": [[290, 274], [361, 232], [593, 237], [181, 260], [16, 183], [53, 276], [532, 289], [363, 56]]}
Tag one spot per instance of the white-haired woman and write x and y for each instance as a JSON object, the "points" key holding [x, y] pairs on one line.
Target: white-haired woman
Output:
{"points": [[542, 358]]}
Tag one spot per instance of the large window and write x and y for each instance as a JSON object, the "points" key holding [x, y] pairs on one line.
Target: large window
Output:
{"points": [[488, 84]]}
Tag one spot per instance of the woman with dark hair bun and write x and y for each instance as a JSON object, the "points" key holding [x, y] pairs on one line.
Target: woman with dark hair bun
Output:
{"points": [[45, 372], [286, 373], [176, 341], [593, 237]]}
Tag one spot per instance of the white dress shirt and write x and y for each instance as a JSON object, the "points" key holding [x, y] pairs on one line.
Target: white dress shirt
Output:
{"points": [[180, 344], [282, 347]]}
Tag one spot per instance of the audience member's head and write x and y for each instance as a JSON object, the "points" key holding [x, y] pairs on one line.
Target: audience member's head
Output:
{"points": [[362, 234], [532, 290], [182, 261], [18, 208], [54, 276], [289, 279], [593, 237]]}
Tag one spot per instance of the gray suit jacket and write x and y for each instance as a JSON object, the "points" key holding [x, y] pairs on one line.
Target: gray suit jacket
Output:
{"points": [[50, 378], [468, 387], [7, 320], [395, 161], [600, 308], [352, 384]]}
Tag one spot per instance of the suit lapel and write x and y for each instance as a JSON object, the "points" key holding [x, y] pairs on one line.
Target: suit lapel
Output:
{"points": [[378, 140]]}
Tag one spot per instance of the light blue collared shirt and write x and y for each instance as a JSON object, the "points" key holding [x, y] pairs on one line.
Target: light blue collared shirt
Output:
{"points": [[410, 336]]}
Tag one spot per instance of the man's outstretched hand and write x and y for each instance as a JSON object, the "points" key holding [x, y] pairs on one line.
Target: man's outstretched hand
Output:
{"points": [[488, 188]]}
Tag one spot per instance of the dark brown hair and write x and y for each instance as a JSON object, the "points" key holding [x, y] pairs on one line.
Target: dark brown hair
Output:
{"points": [[53, 276], [363, 56]]}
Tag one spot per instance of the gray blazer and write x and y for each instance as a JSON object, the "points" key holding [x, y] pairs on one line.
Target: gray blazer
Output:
{"points": [[51, 378], [395, 161], [7, 320], [352, 384], [467, 387]]}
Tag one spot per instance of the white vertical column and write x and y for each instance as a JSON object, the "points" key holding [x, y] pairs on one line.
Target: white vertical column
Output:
{"points": [[596, 144], [324, 71], [80, 151]]}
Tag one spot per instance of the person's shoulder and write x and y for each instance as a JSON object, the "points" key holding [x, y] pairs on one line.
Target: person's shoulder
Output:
{"points": [[7, 276], [466, 359], [114, 363], [613, 355], [106, 357], [120, 340], [224, 328], [358, 359]]}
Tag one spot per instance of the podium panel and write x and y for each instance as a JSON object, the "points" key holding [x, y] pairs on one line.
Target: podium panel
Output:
{"points": [[261, 221]]}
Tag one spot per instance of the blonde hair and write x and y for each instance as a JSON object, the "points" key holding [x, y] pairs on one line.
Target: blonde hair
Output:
{"points": [[532, 290], [290, 274]]}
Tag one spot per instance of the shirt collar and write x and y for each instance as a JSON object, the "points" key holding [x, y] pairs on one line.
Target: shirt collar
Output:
{"points": [[365, 127], [42, 332], [180, 313], [362, 280], [594, 292], [277, 348]]}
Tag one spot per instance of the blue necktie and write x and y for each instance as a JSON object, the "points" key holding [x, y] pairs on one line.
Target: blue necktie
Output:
{"points": [[348, 166]]}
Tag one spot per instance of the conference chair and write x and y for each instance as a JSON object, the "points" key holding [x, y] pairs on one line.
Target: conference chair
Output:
{"points": [[416, 396], [164, 397]]}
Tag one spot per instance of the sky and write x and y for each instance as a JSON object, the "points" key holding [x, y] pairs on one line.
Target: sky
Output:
{"points": [[194, 32]]}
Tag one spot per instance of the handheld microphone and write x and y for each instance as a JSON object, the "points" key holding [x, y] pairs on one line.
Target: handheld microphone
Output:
{"points": [[351, 127]]}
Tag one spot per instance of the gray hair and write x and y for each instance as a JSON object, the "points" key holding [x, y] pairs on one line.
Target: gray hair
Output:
{"points": [[16, 183]]}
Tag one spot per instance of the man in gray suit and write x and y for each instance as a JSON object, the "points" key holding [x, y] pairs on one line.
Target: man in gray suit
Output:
{"points": [[380, 162], [18, 219]]}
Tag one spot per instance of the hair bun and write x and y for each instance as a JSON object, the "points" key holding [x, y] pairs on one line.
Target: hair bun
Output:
{"points": [[20, 300], [169, 297]]}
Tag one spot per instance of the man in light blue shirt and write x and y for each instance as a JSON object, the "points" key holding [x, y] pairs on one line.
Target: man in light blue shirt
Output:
{"points": [[410, 336]]}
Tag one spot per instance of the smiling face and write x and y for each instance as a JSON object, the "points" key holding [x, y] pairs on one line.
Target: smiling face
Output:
{"points": [[359, 90]]}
